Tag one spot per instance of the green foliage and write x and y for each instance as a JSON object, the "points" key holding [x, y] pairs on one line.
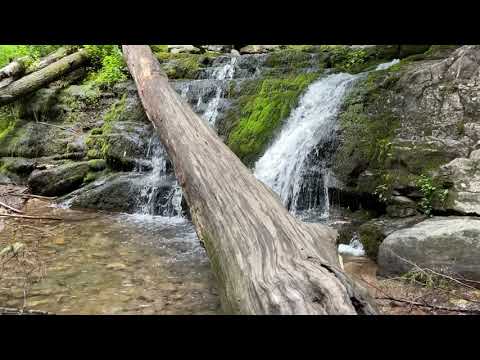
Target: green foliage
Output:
{"points": [[11, 52], [430, 192], [384, 190], [264, 105], [8, 117], [108, 63], [425, 278]]}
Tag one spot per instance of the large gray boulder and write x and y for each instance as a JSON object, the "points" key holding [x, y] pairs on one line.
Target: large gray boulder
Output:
{"points": [[450, 245]]}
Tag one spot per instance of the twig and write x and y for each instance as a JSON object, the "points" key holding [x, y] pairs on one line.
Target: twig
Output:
{"points": [[414, 303], [32, 217], [11, 208], [432, 271], [34, 196], [13, 311]]}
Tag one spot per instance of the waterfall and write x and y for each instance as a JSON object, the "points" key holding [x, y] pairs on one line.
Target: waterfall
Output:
{"points": [[295, 166], [284, 165], [222, 73], [151, 200]]}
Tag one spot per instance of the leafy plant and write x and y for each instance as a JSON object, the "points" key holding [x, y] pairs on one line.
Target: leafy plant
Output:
{"points": [[430, 193], [109, 61]]}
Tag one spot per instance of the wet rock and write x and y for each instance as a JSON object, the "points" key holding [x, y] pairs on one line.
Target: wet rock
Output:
{"points": [[373, 233], [258, 49], [59, 180], [217, 48], [449, 245], [177, 49], [119, 192]]}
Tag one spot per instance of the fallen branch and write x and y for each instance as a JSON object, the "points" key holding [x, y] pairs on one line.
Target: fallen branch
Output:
{"points": [[425, 305], [34, 196], [32, 217], [13, 311], [11, 208], [424, 270]]}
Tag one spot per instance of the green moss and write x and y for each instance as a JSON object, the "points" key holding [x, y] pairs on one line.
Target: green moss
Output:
{"points": [[97, 164], [261, 109], [184, 65], [371, 237]]}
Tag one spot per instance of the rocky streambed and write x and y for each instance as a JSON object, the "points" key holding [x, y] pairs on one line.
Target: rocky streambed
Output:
{"points": [[94, 262]]}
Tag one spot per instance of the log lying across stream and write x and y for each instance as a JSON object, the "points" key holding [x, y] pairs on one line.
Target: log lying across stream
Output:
{"points": [[266, 261]]}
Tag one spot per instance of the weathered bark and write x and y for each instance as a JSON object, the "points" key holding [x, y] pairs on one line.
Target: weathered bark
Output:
{"points": [[42, 77], [11, 69], [266, 261]]}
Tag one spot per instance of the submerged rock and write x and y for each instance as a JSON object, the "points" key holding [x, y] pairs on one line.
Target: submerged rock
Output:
{"points": [[450, 245]]}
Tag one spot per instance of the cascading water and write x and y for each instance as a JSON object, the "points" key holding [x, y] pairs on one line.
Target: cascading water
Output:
{"points": [[284, 164], [222, 73], [153, 199], [295, 166], [150, 200]]}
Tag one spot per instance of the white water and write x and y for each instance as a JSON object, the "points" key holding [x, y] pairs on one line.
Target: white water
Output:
{"points": [[385, 66], [158, 174], [355, 248], [223, 73], [313, 121], [148, 197]]}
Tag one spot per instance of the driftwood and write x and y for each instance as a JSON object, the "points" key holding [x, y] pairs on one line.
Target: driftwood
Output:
{"points": [[32, 217], [266, 261], [42, 77], [11, 208]]}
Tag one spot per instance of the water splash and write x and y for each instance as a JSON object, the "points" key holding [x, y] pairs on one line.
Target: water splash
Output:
{"points": [[355, 248]]}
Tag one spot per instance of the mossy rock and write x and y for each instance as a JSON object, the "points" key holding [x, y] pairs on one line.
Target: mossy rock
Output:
{"points": [[260, 111], [59, 180]]}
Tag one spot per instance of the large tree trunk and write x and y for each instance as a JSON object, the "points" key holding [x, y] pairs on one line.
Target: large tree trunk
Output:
{"points": [[38, 79], [266, 261]]}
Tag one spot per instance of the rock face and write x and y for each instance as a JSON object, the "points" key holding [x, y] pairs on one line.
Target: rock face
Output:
{"points": [[462, 176], [408, 121], [450, 245]]}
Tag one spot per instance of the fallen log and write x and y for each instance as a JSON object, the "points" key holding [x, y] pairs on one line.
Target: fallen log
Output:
{"points": [[14, 68], [42, 77], [50, 59], [266, 261]]}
